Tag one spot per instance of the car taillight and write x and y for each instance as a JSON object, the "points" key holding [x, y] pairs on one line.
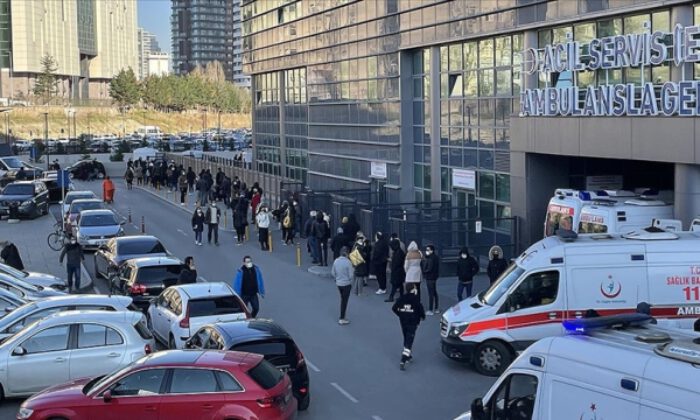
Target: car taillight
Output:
{"points": [[300, 359], [137, 289], [185, 322], [147, 349], [266, 402]]}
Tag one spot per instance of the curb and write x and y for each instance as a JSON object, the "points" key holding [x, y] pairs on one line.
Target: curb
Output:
{"points": [[320, 271]]}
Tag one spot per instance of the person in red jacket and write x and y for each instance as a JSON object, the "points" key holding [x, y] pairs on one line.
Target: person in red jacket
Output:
{"points": [[255, 202], [107, 190]]}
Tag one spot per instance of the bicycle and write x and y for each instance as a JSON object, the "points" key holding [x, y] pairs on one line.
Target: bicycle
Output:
{"points": [[57, 239]]}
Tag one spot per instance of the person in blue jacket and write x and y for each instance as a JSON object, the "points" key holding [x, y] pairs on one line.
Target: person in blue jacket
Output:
{"points": [[249, 284]]}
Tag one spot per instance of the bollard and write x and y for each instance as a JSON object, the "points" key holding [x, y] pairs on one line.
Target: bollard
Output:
{"points": [[143, 225], [247, 230], [298, 254], [175, 194], [129, 215], [225, 219], [269, 240]]}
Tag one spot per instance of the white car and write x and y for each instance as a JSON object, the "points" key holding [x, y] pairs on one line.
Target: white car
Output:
{"points": [[96, 227], [181, 310], [37, 279], [24, 315], [75, 195], [26, 291], [70, 345]]}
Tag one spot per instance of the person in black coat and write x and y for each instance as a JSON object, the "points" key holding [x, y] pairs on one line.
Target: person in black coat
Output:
{"points": [[398, 273], [430, 266], [497, 265], [467, 267], [191, 178], [337, 243], [361, 269], [410, 312], [351, 227], [189, 272], [240, 219], [379, 259], [10, 254], [198, 225]]}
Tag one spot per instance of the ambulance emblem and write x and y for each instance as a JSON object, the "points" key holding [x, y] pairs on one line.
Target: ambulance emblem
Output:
{"points": [[611, 289]]}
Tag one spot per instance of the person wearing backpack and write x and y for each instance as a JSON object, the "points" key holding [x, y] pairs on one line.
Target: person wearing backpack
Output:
{"points": [[360, 260], [321, 232], [467, 267]]}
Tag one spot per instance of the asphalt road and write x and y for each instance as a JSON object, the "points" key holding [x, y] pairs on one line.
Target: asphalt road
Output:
{"points": [[354, 369]]}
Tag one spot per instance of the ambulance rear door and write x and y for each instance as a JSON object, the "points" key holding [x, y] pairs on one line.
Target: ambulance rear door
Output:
{"points": [[607, 279]]}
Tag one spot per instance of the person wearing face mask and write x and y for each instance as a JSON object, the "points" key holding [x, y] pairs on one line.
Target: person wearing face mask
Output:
{"points": [[380, 257], [362, 266], [410, 312], [188, 274], [430, 266], [467, 268], [263, 221], [412, 266], [249, 284], [212, 219], [73, 253], [198, 225]]}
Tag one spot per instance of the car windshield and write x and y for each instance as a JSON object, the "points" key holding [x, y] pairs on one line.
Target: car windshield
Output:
{"points": [[21, 284], [4, 268], [13, 163], [19, 189], [140, 247], [158, 274], [72, 197], [220, 305], [98, 220], [90, 205], [501, 286]]}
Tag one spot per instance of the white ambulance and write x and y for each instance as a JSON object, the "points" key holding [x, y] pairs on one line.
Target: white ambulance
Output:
{"points": [[564, 208], [558, 279], [634, 372]]}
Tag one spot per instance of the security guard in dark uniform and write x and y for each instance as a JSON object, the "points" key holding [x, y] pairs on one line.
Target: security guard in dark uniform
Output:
{"points": [[410, 312]]}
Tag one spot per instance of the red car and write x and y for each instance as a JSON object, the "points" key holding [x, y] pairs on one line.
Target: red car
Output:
{"points": [[172, 385]]}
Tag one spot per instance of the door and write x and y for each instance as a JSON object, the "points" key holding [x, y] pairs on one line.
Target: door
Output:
{"points": [[535, 308], [46, 352], [171, 319], [193, 394], [134, 396], [515, 398], [98, 350], [158, 319]]}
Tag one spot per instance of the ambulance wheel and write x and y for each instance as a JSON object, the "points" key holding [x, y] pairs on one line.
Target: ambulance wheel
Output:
{"points": [[492, 358]]}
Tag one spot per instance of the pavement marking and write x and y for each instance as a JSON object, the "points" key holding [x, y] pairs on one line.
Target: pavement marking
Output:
{"points": [[312, 366], [376, 418], [344, 392], [181, 231], [202, 279]]}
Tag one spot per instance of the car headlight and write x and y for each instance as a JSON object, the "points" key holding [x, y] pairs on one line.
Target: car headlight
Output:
{"points": [[24, 413], [26, 203], [121, 232], [456, 329]]}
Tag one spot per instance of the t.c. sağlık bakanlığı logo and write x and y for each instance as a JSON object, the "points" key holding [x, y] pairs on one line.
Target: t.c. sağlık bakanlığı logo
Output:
{"points": [[610, 289], [591, 414]]}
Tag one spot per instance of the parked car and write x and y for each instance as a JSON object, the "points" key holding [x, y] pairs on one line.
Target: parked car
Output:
{"points": [[22, 316], [56, 191], [37, 279], [96, 227], [110, 256], [76, 207], [26, 291], [263, 337], [87, 169], [145, 278], [71, 345], [181, 310], [174, 385], [30, 198], [10, 165], [9, 302], [75, 195]]}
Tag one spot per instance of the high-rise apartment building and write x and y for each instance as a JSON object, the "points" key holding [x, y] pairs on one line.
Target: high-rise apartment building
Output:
{"points": [[239, 78], [489, 105], [91, 41], [204, 31], [148, 44]]}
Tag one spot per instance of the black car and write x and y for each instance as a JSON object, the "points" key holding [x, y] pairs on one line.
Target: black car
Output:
{"points": [[56, 191], [28, 198], [263, 337], [11, 167], [143, 279], [109, 257], [87, 169]]}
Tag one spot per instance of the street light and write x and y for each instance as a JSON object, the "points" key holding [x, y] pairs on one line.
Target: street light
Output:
{"points": [[46, 138]]}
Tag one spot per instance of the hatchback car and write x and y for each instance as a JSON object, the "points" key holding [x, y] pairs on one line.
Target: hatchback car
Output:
{"points": [[37, 279], [71, 345], [9, 302], [143, 279], [109, 257], [75, 195], [87, 169], [76, 207], [15, 321], [174, 385], [263, 337], [26, 291], [10, 165], [29, 198], [96, 227], [181, 310]]}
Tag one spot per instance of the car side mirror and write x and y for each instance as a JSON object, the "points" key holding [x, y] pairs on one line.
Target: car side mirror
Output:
{"points": [[19, 351], [107, 396], [10, 309], [477, 409], [188, 345]]}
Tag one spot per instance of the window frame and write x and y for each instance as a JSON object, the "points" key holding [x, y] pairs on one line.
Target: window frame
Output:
{"points": [[28, 353], [77, 336], [215, 371]]}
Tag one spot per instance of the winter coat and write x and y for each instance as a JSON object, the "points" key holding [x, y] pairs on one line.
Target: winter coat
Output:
{"points": [[431, 267], [10, 254], [238, 281], [362, 269], [207, 216], [202, 184], [187, 276], [240, 213], [255, 202], [380, 255], [263, 220], [73, 254], [337, 243], [495, 268], [226, 188], [351, 227], [191, 177], [182, 182], [398, 273], [409, 309], [320, 229], [342, 271], [139, 171], [198, 222], [306, 233], [467, 268], [412, 264]]}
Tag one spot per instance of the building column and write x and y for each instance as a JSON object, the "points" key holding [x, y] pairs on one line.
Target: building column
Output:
{"points": [[686, 193], [530, 81], [406, 139], [283, 143], [681, 14], [434, 104]]}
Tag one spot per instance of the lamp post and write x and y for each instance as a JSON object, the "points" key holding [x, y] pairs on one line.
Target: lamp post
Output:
{"points": [[46, 138]]}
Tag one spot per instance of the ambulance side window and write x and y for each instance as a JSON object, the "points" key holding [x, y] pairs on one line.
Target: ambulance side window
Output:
{"points": [[536, 290], [514, 399]]}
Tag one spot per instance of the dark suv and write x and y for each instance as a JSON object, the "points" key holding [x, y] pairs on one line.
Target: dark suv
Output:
{"points": [[28, 198], [143, 279], [263, 337]]}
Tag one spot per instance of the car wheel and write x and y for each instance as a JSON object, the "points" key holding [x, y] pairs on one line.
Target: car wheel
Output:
{"points": [[97, 270], [171, 343], [492, 358], [46, 209], [303, 403]]}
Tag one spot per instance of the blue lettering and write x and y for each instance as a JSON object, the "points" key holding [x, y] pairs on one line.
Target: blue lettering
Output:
{"points": [[669, 101], [685, 97]]}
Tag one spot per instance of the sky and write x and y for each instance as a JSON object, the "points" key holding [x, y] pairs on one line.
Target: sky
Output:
{"points": [[154, 16]]}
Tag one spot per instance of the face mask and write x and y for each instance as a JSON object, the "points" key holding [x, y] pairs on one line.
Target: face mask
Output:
{"points": [[464, 255], [360, 241], [199, 212], [249, 264], [73, 241], [428, 252]]}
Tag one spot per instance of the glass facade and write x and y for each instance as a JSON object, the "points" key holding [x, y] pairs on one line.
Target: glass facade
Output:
{"points": [[87, 43], [5, 34]]}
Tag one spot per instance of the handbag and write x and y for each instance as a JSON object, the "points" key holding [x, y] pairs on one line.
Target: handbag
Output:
{"points": [[356, 257]]}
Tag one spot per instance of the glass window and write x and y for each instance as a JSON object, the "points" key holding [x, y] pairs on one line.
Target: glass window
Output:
{"points": [[142, 383], [504, 82], [486, 53], [537, 289], [470, 84], [92, 335], [266, 375], [635, 24], [486, 187], [486, 82], [471, 59], [444, 59], [514, 399], [192, 381], [50, 339], [456, 57], [503, 187], [228, 383], [503, 51], [221, 305]]}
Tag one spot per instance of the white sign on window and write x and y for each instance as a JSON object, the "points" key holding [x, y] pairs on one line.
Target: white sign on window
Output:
{"points": [[377, 170], [464, 178]]}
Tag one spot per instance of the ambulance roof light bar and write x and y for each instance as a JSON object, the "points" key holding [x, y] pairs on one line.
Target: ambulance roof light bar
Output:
{"points": [[587, 325]]}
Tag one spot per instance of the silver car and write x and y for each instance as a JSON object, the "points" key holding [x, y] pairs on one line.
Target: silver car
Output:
{"points": [[75, 195], [37, 279], [26, 291], [9, 302], [70, 345], [95, 227], [15, 321]]}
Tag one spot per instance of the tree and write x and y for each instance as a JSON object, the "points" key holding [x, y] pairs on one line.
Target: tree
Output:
{"points": [[125, 89], [46, 84]]}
